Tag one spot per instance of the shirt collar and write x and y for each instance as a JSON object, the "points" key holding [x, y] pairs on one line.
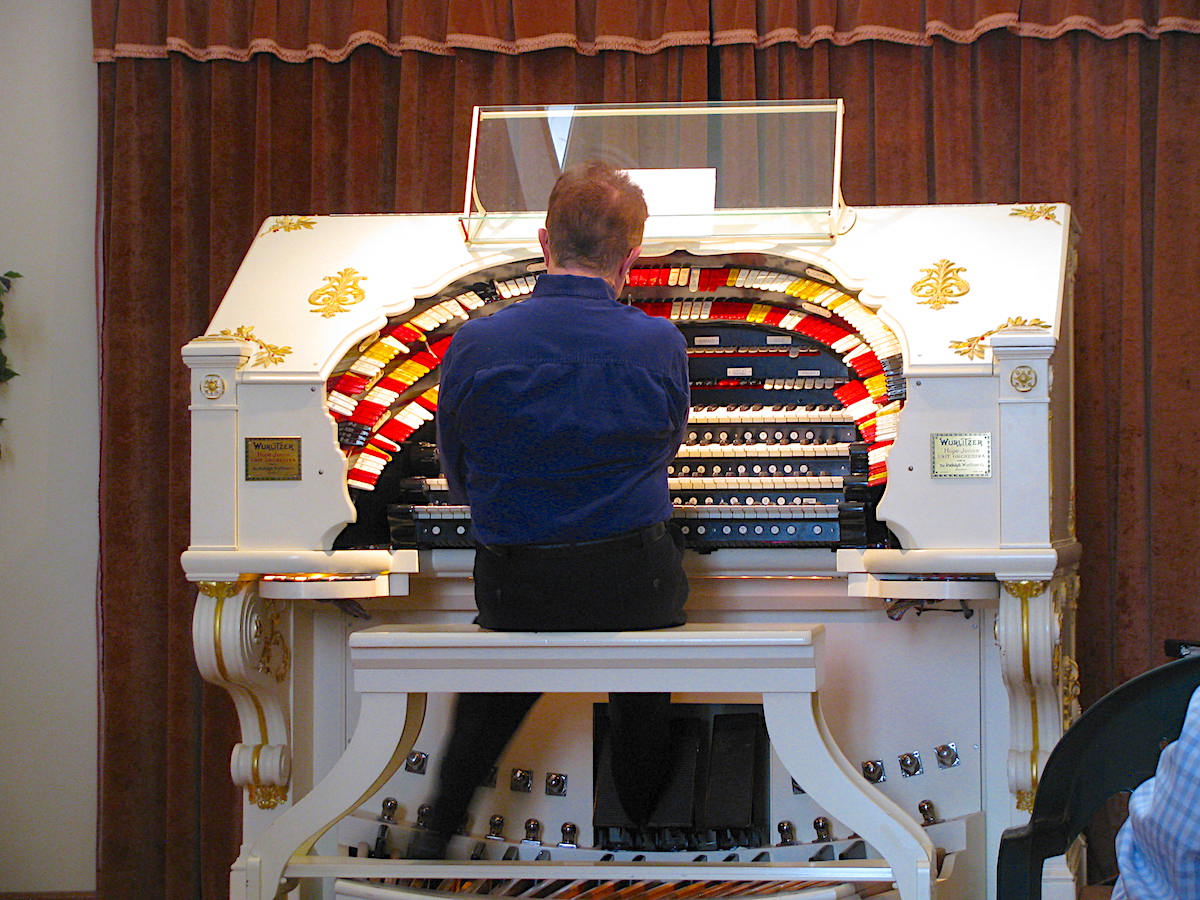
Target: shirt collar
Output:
{"points": [[574, 286]]}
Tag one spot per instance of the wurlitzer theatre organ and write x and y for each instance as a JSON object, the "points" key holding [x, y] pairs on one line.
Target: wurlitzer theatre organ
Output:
{"points": [[879, 443]]}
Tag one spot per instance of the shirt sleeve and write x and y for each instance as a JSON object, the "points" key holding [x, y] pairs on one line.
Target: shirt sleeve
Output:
{"points": [[1158, 847], [449, 438], [681, 388]]}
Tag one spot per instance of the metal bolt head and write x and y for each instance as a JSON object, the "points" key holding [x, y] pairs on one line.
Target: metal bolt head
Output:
{"points": [[556, 784], [521, 781], [947, 755], [416, 762], [910, 764], [872, 770]]}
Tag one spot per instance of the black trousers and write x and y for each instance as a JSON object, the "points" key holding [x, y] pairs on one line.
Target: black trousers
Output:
{"points": [[633, 583]]}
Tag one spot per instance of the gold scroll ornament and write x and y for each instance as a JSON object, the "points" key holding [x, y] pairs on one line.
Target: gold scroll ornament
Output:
{"points": [[942, 285], [338, 293]]}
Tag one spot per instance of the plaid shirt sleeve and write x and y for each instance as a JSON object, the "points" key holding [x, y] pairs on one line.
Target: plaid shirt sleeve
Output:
{"points": [[1158, 847]]}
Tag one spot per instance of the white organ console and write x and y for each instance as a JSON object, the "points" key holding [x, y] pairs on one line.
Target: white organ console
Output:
{"points": [[880, 443]]}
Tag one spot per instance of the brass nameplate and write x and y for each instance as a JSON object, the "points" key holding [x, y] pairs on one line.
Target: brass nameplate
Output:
{"points": [[272, 459], [960, 455]]}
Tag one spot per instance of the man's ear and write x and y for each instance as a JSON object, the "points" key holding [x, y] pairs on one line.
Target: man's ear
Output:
{"points": [[629, 261], [545, 249]]}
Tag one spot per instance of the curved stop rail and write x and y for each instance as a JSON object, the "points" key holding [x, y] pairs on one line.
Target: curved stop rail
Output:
{"points": [[396, 665]]}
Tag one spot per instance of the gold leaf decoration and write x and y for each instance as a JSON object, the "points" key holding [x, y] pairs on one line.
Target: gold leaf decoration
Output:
{"points": [[266, 796], [291, 223], [973, 348], [338, 293], [274, 657], [1034, 212], [942, 284], [267, 355]]}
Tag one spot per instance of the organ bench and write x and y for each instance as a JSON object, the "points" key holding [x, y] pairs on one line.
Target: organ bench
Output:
{"points": [[395, 666]]}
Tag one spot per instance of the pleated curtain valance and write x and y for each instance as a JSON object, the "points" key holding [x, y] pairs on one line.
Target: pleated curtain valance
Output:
{"points": [[804, 23], [299, 30]]}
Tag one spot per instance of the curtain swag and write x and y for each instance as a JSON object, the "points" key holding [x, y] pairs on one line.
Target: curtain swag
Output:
{"points": [[300, 30]]}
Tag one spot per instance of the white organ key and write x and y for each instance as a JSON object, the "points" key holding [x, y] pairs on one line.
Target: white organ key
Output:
{"points": [[694, 280], [771, 414], [676, 308], [752, 450], [441, 512], [742, 511], [791, 320]]}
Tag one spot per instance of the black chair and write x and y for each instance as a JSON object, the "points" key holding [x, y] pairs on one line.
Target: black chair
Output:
{"points": [[1113, 747]]}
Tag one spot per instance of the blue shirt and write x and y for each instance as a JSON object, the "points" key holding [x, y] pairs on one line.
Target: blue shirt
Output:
{"points": [[557, 416], [1158, 847]]}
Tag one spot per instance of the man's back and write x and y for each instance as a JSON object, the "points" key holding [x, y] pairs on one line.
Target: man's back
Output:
{"points": [[557, 416]]}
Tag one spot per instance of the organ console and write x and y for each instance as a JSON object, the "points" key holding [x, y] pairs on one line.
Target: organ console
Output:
{"points": [[880, 442]]}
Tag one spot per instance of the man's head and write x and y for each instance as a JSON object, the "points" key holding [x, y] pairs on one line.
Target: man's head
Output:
{"points": [[594, 222]]}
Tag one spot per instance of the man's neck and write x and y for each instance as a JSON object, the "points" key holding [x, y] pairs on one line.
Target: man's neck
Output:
{"points": [[584, 273]]}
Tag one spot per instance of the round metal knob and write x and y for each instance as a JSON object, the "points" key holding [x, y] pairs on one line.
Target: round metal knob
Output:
{"points": [[821, 827], [533, 831], [496, 827], [928, 812], [787, 833]]}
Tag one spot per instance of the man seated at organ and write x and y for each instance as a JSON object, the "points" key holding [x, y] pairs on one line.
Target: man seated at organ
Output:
{"points": [[557, 419]]}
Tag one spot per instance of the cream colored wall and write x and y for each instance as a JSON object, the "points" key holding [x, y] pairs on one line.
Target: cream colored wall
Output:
{"points": [[48, 470]]}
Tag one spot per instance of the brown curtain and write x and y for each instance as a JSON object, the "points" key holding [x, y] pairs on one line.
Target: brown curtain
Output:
{"points": [[194, 155], [214, 116]]}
